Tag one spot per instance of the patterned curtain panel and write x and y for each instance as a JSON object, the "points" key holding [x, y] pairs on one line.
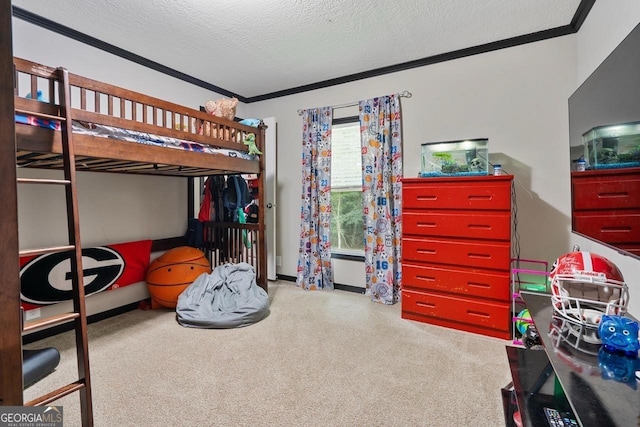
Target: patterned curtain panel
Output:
{"points": [[381, 139], [314, 259]]}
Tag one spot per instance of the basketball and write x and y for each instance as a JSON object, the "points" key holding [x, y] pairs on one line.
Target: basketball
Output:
{"points": [[171, 273]]}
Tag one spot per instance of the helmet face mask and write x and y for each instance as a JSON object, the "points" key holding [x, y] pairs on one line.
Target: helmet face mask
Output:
{"points": [[568, 333], [585, 286]]}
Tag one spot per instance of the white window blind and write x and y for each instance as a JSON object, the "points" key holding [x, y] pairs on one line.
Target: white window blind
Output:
{"points": [[346, 160]]}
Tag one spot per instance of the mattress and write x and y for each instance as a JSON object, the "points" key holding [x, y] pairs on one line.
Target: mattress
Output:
{"points": [[110, 132]]}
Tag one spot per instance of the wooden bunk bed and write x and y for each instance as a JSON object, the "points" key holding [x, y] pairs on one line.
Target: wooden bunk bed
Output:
{"points": [[171, 140], [75, 102], [98, 105]]}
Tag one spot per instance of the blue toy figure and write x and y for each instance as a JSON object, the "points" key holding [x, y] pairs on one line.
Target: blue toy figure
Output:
{"points": [[39, 96], [619, 334]]}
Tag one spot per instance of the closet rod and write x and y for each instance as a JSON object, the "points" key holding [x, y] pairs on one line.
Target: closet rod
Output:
{"points": [[403, 94]]}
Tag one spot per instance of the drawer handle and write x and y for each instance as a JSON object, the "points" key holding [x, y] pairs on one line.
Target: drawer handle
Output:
{"points": [[425, 304], [613, 195], [479, 314], [615, 229], [479, 226], [427, 278], [426, 224], [426, 251], [428, 197], [482, 256], [481, 197], [479, 285]]}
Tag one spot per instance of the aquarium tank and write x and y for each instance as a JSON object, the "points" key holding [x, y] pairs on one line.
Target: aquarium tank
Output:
{"points": [[467, 157], [612, 146]]}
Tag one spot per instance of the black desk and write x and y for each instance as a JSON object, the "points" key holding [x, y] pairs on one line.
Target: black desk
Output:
{"points": [[594, 400]]}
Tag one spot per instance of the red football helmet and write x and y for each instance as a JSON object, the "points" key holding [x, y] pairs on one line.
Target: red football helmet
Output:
{"points": [[584, 286]]}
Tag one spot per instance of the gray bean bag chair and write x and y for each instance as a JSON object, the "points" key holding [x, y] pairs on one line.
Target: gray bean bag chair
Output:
{"points": [[227, 298]]}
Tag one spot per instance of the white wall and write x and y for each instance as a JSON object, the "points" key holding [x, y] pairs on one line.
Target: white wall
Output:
{"points": [[516, 97], [113, 208], [606, 26], [37, 44]]}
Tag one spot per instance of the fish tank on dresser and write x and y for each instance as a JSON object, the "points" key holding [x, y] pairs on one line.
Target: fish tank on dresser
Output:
{"points": [[468, 157], [612, 146]]}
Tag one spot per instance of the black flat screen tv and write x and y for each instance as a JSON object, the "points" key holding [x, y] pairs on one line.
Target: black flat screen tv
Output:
{"points": [[610, 95]]}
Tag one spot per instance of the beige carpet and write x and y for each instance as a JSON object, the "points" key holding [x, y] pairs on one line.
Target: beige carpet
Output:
{"points": [[323, 358]]}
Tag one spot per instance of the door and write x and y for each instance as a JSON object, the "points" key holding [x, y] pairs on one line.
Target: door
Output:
{"points": [[270, 184]]}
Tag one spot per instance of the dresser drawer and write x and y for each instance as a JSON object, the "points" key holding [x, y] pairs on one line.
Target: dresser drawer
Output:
{"points": [[474, 196], [489, 255], [606, 192], [484, 314], [476, 225], [493, 285], [609, 228]]}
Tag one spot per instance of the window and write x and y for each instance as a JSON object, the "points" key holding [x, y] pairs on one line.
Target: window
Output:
{"points": [[347, 232]]}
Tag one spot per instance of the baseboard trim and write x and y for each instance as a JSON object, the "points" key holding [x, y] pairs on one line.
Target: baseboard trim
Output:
{"points": [[49, 332], [339, 286]]}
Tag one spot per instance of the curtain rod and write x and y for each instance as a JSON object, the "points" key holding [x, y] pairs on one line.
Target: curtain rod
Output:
{"points": [[403, 94]]}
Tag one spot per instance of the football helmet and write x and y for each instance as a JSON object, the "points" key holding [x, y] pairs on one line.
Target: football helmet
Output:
{"points": [[585, 286]]}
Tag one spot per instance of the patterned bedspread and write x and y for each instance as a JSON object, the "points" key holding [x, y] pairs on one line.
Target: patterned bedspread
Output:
{"points": [[107, 132]]}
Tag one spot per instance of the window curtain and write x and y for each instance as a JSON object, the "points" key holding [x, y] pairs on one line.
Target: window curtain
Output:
{"points": [[381, 140], [314, 256]]}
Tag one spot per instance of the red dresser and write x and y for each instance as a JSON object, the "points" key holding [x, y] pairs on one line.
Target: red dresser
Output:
{"points": [[456, 251], [606, 206]]}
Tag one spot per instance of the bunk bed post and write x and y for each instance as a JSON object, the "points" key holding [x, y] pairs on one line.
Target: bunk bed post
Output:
{"points": [[262, 244], [11, 382], [190, 198]]}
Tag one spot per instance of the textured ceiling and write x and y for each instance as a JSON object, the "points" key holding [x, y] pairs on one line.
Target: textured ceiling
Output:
{"points": [[257, 47]]}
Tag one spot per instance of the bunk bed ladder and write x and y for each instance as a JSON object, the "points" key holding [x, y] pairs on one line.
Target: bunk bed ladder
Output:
{"points": [[78, 316]]}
